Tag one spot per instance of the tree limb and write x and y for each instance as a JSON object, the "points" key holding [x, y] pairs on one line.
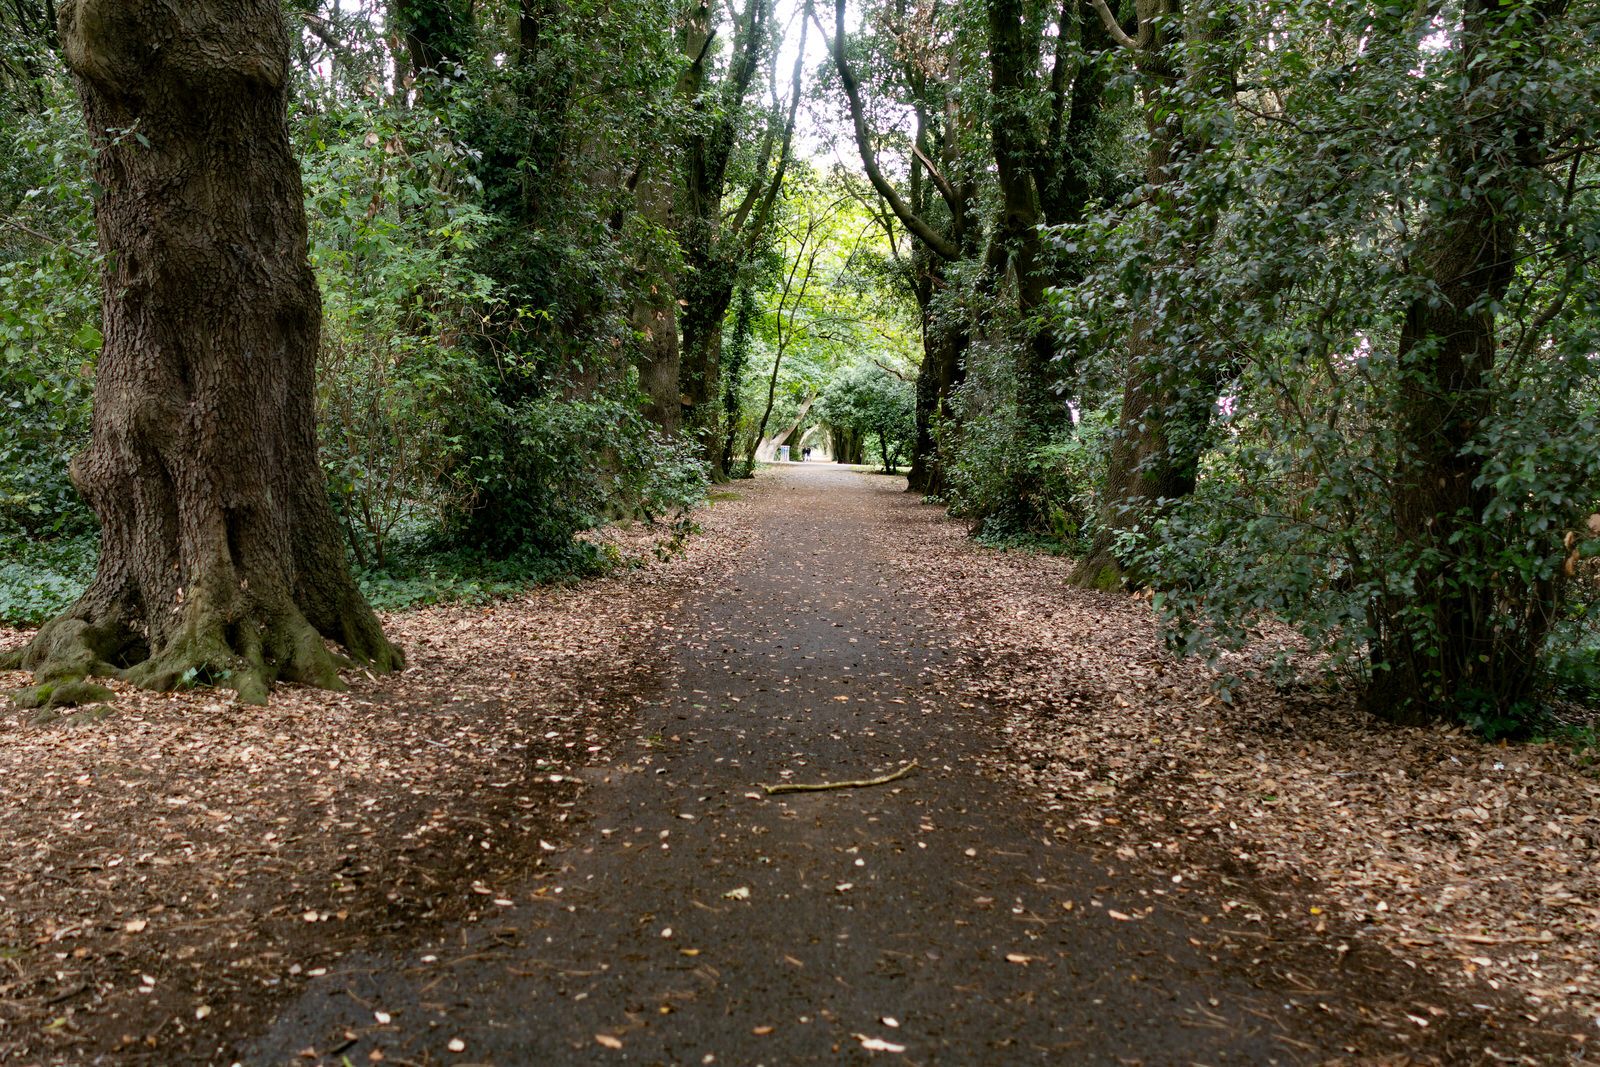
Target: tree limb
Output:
{"points": [[939, 244], [944, 187], [1147, 30]]}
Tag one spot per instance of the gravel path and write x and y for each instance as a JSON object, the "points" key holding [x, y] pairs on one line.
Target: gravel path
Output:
{"points": [[694, 919]]}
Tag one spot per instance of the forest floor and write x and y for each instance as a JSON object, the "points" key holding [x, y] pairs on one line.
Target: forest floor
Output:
{"points": [[547, 840]]}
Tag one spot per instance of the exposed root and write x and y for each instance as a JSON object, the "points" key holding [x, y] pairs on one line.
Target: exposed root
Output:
{"points": [[81, 717], [70, 648], [246, 655], [65, 694]]}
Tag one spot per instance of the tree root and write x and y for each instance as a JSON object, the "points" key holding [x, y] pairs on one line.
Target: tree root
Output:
{"points": [[61, 695], [246, 655]]}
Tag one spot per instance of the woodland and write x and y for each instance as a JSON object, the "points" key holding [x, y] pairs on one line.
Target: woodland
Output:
{"points": [[1272, 324], [1276, 310]]}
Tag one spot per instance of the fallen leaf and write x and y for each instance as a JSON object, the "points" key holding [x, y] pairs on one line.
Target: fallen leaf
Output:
{"points": [[608, 1041]]}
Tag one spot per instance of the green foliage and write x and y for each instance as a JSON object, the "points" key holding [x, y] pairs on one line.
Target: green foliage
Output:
{"points": [[423, 573], [869, 401], [40, 579], [536, 472], [392, 227], [49, 316], [1315, 274]]}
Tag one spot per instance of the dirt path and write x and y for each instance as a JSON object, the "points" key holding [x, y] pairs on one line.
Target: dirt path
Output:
{"points": [[693, 919]]}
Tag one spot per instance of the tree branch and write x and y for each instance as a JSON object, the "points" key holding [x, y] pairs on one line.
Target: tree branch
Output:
{"points": [[939, 244], [944, 187], [1146, 29]]}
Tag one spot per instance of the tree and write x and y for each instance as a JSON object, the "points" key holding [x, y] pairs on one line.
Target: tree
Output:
{"points": [[938, 207], [718, 239], [1483, 635], [1181, 54], [220, 557], [1045, 172], [869, 401], [1406, 271]]}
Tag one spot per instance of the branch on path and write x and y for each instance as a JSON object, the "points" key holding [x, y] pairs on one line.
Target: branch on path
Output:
{"points": [[817, 787]]}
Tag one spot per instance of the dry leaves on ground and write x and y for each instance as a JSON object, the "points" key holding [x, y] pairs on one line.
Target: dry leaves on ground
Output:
{"points": [[171, 871], [1482, 860]]}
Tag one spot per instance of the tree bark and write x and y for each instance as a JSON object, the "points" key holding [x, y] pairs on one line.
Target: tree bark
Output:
{"points": [[655, 316], [220, 558]]}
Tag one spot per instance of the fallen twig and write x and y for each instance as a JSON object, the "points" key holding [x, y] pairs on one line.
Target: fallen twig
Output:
{"points": [[814, 787], [1483, 939]]}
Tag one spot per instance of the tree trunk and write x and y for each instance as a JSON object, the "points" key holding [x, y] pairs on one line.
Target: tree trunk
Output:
{"points": [[655, 318], [1468, 249], [1167, 398], [1155, 458], [944, 348], [220, 559], [700, 366], [766, 448], [1014, 59]]}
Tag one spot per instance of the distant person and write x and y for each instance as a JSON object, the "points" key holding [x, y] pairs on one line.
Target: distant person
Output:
{"points": [[805, 454]]}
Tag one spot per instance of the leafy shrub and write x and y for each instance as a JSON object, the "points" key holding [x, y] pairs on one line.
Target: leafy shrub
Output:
{"points": [[49, 317], [38, 580], [535, 472]]}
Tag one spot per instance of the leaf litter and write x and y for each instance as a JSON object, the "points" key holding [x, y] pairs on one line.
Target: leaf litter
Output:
{"points": [[1480, 863], [158, 865], [177, 865]]}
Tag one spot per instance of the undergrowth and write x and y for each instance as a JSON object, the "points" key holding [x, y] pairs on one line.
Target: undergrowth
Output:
{"points": [[417, 577], [40, 579]]}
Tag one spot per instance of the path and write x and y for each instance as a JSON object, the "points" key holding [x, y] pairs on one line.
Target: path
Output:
{"points": [[698, 921]]}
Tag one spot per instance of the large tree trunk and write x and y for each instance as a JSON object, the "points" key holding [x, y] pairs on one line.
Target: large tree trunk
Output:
{"points": [[1014, 60], [220, 559], [943, 350], [655, 318], [1155, 459], [707, 296]]}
